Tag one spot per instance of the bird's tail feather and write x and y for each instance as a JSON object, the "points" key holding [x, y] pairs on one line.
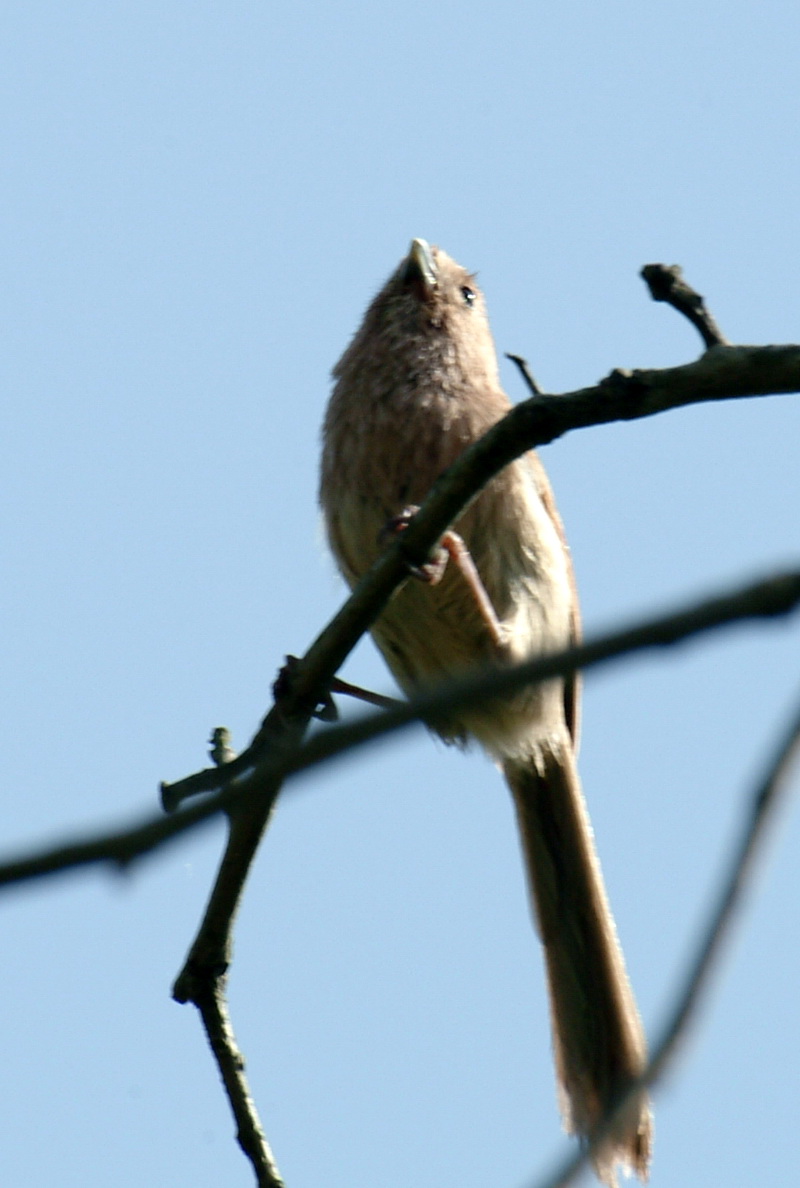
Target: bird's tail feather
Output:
{"points": [[597, 1034]]}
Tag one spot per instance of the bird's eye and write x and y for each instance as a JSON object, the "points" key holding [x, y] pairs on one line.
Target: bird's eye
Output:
{"points": [[468, 294]]}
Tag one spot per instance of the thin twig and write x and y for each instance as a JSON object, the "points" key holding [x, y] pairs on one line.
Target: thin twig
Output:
{"points": [[203, 978], [210, 952], [763, 805], [527, 374], [249, 1131], [666, 283], [118, 847]]}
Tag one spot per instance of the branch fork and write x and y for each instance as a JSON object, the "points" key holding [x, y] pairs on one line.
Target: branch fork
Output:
{"points": [[246, 786]]}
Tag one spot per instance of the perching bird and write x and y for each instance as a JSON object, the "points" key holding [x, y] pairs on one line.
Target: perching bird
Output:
{"points": [[416, 386]]}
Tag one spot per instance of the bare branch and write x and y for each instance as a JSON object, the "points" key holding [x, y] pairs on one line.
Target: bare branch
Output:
{"points": [[249, 1132], [527, 375], [250, 811], [117, 848], [666, 283], [775, 596]]}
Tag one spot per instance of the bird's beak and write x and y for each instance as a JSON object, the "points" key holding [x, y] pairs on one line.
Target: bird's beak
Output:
{"points": [[420, 271]]}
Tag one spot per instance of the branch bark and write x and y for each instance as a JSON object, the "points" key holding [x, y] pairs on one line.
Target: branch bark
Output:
{"points": [[771, 598]]}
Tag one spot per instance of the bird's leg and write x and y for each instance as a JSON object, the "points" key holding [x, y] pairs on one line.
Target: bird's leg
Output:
{"points": [[452, 548], [325, 709], [345, 689]]}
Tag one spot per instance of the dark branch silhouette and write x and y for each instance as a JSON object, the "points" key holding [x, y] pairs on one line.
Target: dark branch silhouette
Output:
{"points": [[246, 786], [120, 848], [666, 283], [722, 373]]}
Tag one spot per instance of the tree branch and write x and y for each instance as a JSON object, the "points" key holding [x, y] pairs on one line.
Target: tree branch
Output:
{"points": [[774, 596], [213, 1008], [722, 373], [666, 283], [778, 595]]}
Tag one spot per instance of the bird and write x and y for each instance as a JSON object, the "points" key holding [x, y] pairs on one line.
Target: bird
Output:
{"points": [[418, 384]]}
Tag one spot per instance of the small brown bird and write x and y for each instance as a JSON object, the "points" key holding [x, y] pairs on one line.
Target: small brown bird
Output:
{"points": [[417, 385]]}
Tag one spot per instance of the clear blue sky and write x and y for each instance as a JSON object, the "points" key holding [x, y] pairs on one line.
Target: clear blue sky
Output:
{"points": [[198, 201]]}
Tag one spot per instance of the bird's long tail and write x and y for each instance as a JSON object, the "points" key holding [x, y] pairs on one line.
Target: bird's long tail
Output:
{"points": [[597, 1034]]}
